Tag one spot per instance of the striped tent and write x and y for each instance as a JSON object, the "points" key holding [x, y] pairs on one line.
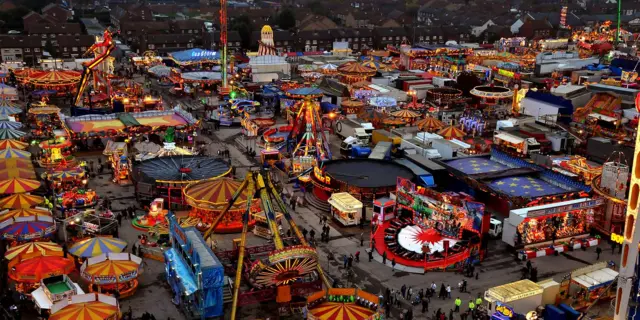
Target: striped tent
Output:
{"points": [[451, 132], [11, 134], [96, 246], [214, 193], [26, 212], [32, 248], [23, 173], [14, 144], [5, 124], [20, 200], [329, 68], [18, 185], [405, 114], [429, 124], [9, 153]]}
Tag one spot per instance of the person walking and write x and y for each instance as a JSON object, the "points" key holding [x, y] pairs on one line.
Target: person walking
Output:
{"points": [[425, 305], [409, 293], [370, 253], [384, 257], [443, 292], [403, 290], [312, 234], [345, 260], [350, 261], [449, 291], [458, 303], [450, 314], [471, 305], [464, 285], [598, 252], [393, 264], [304, 233], [362, 239], [479, 300]]}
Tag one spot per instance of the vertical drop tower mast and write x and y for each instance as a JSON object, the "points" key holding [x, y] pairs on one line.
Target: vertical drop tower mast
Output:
{"points": [[224, 89]]}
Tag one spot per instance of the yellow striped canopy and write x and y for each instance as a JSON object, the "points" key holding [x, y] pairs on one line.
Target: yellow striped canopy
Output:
{"points": [[405, 114], [15, 163], [109, 269], [32, 248], [11, 143], [451, 132], [20, 200], [18, 185], [91, 310], [23, 213], [23, 173], [96, 246], [429, 124], [9, 153], [216, 192]]}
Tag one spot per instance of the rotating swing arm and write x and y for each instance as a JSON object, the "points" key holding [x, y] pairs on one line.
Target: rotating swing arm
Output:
{"points": [[243, 186], [248, 183], [294, 227]]}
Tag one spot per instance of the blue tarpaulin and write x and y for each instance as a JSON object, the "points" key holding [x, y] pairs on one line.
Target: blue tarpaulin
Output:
{"points": [[327, 107], [305, 91], [194, 55], [187, 284]]}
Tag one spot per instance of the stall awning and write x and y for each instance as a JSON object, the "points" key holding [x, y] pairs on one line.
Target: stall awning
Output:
{"points": [[594, 276], [602, 117], [509, 138], [513, 291], [345, 202], [174, 261]]}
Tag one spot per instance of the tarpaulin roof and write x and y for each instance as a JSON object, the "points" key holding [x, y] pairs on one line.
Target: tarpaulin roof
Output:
{"points": [[128, 120], [194, 55]]}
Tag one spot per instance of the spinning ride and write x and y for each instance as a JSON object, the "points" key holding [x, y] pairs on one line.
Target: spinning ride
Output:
{"points": [[112, 272], [343, 303], [308, 129], [56, 150], [86, 307], [492, 95], [285, 265], [28, 272], [209, 198], [101, 51]]}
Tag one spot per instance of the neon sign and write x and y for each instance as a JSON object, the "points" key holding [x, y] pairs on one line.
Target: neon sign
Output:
{"points": [[504, 310], [506, 73], [204, 53], [320, 176], [617, 238]]}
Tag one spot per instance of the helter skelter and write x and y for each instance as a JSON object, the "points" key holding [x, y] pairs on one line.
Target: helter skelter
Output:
{"points": [[286, 264]]}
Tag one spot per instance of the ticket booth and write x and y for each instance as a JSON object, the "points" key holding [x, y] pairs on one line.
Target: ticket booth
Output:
{"points": [[383, 209], [345, 208]]}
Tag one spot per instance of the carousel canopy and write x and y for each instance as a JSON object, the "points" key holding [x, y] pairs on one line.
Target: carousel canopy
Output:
{"points": [[352, 103], [35, 269], [405, 114], [356, 69], [7, 109], [46, 109], [305, 92], [53, 77], [307, 68], [8, 92], [27, 228], [14, 144], [160, 70], [20, 200], [67, 174], [201, 76], [371, 64], [451, 132], [429, 123], [387, 68], [6, 124], [8, 103], [329, 68], [9, 153], [18, 185], [371, 115], [15, 163], [11, 134], [214, 193], [22, 173], [31, 249], [109, 268], [93, 306], [25, 212], [180, 169], [96, 246]]}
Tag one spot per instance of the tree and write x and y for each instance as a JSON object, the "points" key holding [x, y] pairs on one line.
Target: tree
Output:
{"points": [[317, 7], [244, 27], [286, 19], [49, 47], [467, 81]]}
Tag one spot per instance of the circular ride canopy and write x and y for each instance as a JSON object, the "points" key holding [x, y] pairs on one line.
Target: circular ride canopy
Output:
{"points": [[215, 194], [181, 169], [201, 76], [365, 173], [53, 77], [96, 246], [492, 92]]}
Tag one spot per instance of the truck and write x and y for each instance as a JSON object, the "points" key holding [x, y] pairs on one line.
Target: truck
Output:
{"points": [[347, 145], [443, 82], [347, 128], [360, 152], [382, 151], [495, 228], [384, 135]]}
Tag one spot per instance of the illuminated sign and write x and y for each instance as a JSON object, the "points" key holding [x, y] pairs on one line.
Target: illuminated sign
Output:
{"points": [[320, 176], [617, 238], [504, 310], [565, 208], [506, 73], [204, 53]]}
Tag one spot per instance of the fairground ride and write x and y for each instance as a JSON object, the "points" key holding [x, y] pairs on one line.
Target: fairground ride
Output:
{"points": [[285, 264], [312, 147], [101, 51]]}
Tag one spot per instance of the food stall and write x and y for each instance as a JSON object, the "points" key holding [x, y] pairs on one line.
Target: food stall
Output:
{"points": [[54, 289], [593, 282], [120, 162], [522, 296], [345, 208], [554, 221], [384, 209]]}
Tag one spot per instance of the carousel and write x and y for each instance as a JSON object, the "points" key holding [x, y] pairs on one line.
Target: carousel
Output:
{"points": [[114, 272], [27, 271], [352, 72], [91, 247], [87, 307], [492, 95], [208, 200], [70, 187], [45, 122], [429, 124], [55, 151], [343, 303], [59, 81]]}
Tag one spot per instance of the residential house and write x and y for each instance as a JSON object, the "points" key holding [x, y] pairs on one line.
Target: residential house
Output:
{"points": [[359, 19], [358, 39], [211, 41], [476, 30], [494, 33], [459, 34], [191, 26], [73, 46], [317, 23], [33, 17], [388, 36], [515, 27], [130, 32], [21, 48], [57, 13], [50, 31], [318, 40], [165, 43], [430, 11], [138, 12], [554, 19], [536, 29], [427, 35]]}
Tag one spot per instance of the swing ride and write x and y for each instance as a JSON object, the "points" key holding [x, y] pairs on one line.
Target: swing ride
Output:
{"points": [[284, 265]]}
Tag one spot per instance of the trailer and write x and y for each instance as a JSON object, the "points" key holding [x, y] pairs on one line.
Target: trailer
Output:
{"points": [[382, 151], [347, 128]]}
